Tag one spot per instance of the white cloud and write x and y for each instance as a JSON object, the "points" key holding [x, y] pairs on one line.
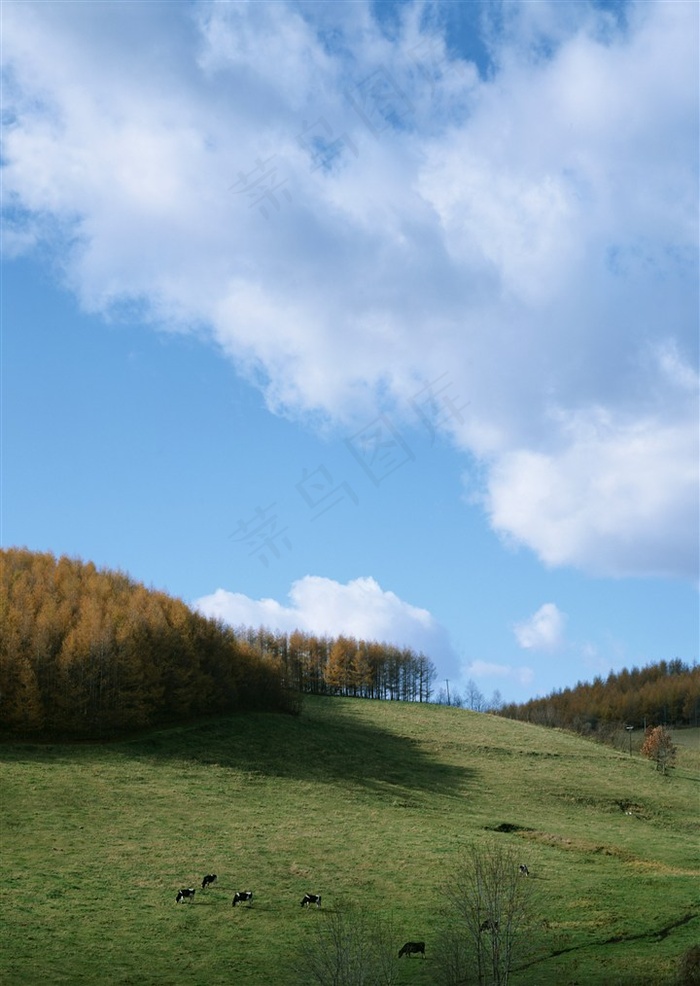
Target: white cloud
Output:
{"points": [[543, 631], [484, 669], [532, 232], [600, 498], [321, 606]]}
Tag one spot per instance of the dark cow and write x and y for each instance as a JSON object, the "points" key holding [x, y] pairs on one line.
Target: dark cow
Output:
{"points": [[208, 880], [489, 925], [524, 871], [187, 893], [412, 948], [311, 899], [242, 895]]}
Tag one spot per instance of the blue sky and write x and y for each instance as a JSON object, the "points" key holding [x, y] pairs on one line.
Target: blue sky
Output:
{"points": [[370, 319]]}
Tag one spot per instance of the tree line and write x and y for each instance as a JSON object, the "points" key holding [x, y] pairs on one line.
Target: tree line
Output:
{"points": [[663, 693], [345, 666], [93, 653]]}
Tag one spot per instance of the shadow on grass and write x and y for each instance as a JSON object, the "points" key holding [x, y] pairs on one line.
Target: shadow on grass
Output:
{"points": [[326, 743]]}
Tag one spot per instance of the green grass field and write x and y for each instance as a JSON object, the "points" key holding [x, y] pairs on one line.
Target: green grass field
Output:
{"points": [[360, 801]]}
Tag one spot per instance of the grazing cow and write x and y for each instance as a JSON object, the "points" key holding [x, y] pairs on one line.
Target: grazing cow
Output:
{"points": [[242, 895], [524, 871], [412, 948], [311, 899], [489, 925], [184, 894], [208, 880]]}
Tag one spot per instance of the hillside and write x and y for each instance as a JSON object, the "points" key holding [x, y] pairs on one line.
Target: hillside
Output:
{"points": [[361, 801]]}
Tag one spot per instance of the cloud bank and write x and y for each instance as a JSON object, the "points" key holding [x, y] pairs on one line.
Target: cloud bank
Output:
{"points": [[323, 607], [351, 209]]}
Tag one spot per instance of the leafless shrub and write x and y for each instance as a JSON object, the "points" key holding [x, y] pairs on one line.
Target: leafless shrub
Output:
{"points": [[488, 909], [349, 947]]}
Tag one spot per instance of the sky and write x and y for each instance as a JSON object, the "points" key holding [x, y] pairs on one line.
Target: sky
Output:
{"points": [[367, 318]]}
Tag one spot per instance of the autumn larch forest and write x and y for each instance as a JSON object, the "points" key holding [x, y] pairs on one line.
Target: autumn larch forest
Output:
{"points": [[92, 653]]}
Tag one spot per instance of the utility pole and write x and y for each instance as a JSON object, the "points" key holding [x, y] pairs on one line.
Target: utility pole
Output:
{"points": [[447, 682]]}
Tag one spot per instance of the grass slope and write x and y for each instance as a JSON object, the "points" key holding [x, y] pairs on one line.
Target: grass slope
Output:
{"points": [[357, 800]]}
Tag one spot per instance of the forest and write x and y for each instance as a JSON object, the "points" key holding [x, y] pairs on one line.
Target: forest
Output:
{"points": [[664, 693], [92, 653]]}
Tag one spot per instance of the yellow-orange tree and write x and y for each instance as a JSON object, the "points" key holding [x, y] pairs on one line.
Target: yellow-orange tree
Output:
{"points": [[659, 747]]}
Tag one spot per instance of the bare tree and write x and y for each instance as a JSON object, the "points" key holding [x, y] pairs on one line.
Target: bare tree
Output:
{"points": [[350, 948], [496, 702], [488, 908], [474, 697]]}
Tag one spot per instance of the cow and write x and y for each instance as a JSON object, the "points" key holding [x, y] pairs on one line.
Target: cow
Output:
{"points": [[187, 893], [208, 880], [412, 948], [524, 871], [489, 925], [311, 899], [242, 895]]}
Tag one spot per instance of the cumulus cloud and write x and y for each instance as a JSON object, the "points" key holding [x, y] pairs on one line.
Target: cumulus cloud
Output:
{"points": [[543, 631], [594, 499], [349, 212], [321, 606]]}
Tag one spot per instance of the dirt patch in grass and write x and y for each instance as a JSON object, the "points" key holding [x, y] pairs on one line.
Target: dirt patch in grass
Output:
{"points": [[577, 845], [611, 805], [298, 870], [651, 867]]}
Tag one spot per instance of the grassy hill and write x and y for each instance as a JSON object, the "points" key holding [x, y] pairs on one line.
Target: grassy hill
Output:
{"points": [[357, 800]]}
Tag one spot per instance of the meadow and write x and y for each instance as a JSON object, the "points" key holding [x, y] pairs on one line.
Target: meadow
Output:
{"points": [[361, 801]]}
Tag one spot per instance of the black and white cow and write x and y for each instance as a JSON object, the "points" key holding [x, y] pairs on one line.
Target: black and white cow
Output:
{"points": [[187, 893], [311, 899], [208, 880], [242, 895], [524, 871], [412, 948], [489, 925]]}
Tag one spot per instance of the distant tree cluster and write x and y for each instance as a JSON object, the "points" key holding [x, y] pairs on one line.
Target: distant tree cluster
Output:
{"points": [[471, 698], [665, 693], [346, 666], [91, 653]]}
